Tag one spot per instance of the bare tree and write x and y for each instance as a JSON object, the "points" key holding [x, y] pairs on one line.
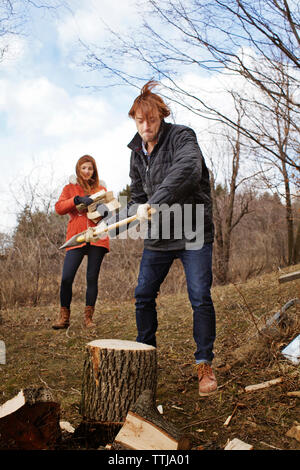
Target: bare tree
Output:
{"points": [[255, 40], [15, 15], [275, 121], [232, 37], [231, 201]]}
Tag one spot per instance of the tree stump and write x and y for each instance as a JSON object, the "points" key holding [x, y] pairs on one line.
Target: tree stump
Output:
{"points": [[115, 373]]}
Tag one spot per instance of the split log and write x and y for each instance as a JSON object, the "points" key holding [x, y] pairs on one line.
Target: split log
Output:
{"points": [[146, 429], [30, 421], [289, 277], [111, 205], [99, 196]]}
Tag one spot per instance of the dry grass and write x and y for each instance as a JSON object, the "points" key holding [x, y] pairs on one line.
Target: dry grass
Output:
{"points": [[38, 355]]}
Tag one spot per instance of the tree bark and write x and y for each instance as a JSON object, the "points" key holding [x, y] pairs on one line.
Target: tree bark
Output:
{"points": [[115, 373], [296, 252]]}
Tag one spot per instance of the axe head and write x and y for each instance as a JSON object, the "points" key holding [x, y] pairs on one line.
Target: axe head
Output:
{"points": [[73, 241]]}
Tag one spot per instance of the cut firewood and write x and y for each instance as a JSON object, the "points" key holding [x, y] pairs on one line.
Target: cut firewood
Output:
{"points": [[30, 421], [110, 206], [99, 196], [237, 444], [252, 388], [146, 429]]}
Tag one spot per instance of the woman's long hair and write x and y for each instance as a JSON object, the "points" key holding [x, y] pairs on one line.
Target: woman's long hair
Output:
{"points": [[92, 184]]}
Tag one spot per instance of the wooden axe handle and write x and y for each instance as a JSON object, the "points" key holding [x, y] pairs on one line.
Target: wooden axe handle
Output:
{"points": [[81, 238]]}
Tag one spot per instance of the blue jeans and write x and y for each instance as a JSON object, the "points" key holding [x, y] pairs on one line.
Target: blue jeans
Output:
{"points": [[154, 268], [73, 259]]}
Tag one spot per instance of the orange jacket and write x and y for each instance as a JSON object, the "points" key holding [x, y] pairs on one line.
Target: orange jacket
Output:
{"points": [[78, 221]]}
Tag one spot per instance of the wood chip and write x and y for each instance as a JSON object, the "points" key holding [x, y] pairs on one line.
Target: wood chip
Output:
{"points": [[269, 445], [294, 394], [237, 444], [66, 426], [230, 417], [294, 432], [252, 388], [227, 421]]}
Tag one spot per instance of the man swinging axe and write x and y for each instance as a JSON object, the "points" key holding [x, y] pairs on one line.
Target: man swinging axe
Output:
{"points": [[168, 170]]}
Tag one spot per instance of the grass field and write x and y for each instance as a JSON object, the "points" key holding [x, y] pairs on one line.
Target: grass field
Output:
{"points": [[36, 355]]}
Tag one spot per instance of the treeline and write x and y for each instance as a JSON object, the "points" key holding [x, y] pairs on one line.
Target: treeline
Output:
{"points": [[31, 262]]}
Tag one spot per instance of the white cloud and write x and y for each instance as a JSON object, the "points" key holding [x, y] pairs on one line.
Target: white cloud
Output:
{"points": [[46, 127], [89, 19]]}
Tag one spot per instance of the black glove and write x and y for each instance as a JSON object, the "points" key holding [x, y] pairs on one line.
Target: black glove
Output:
{"points": [[83, 200], [102, 210]]}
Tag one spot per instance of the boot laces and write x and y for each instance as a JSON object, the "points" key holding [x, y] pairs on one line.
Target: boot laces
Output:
{"points": [[203, 368]]}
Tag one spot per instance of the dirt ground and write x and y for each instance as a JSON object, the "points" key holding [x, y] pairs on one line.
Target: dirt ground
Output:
{"points": [[37, 355]]}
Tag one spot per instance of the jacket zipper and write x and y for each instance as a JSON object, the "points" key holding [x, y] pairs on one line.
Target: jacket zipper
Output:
{"points": [[147, 171]]}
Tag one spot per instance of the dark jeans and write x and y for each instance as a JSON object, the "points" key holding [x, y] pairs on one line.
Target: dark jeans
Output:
{"points": [[72, 262], [197, 264]]}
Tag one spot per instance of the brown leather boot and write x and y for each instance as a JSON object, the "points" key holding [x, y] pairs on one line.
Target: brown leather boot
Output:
{"points": [[63, 321], [88, 315], [207, 379]]}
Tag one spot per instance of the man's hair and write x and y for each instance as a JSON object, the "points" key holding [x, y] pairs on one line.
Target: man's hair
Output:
{"points": [[149, 103], [93, 183]]}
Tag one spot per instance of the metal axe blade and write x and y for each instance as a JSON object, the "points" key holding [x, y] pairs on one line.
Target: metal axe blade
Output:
{"points": [[98, 230], [73, 241]]}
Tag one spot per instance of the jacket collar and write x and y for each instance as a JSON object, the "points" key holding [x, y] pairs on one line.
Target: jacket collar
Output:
{"points": [[136, 143]]}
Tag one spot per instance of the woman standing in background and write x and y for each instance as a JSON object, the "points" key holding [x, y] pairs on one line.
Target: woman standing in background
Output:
{"points": [[73, 194]]}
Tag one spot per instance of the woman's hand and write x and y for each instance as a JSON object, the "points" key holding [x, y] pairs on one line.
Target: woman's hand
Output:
{"points": [[86, 200]]}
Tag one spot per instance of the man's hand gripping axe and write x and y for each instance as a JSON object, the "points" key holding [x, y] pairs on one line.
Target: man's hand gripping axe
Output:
{"points": [[94, 233]]}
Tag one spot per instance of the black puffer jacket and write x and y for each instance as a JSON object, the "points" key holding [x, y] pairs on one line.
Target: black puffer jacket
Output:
{"points": [[176, 174]]}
